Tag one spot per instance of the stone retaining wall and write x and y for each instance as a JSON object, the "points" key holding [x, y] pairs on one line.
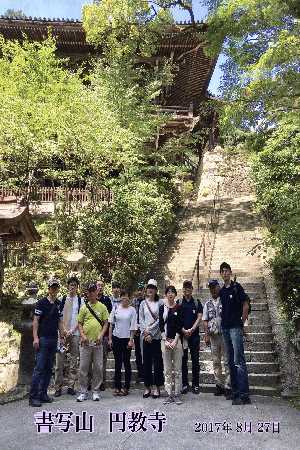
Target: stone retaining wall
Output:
{"points": [[9, 357]]}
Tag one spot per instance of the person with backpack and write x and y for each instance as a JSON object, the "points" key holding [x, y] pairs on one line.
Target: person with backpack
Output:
{"points": [[171, 324], [213, 337], [152, 356], [47, 321], [191, 314], [69, 307], [92, 324], [235, 309]]}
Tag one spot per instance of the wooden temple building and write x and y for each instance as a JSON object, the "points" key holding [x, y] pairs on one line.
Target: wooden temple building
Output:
{"points": [[186, 49], [16, 225]]}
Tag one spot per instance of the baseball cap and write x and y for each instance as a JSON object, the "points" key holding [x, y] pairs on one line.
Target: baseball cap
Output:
{"points": [[213, 283], [53, 282], [152, 283], [187, 284], [91, 287]]}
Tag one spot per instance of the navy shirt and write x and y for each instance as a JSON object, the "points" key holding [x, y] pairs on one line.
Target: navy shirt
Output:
{"points": [[232, 299], [190, 311], [50, 315], [106, 302]]}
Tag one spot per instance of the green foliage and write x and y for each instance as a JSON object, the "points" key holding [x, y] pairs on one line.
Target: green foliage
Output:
{"points": [[94, 129], [122, 240], [124, 28], [261, 40]]}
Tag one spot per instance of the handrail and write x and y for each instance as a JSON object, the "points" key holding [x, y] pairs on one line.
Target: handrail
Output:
{"points": [[211, 225]]}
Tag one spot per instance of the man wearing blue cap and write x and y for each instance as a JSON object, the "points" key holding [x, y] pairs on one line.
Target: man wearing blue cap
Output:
{"points": [[213, 337]]}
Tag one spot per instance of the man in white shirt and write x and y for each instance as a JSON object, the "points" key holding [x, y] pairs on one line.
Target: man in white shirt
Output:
{"points": [[70, 306], [213, 337]]}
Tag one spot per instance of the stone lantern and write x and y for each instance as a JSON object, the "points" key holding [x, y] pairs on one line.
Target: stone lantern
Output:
{"points": [[24, 326], [76, 260]]}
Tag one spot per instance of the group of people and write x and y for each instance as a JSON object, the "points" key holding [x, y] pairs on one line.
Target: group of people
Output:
{"points": [[162, 332]]}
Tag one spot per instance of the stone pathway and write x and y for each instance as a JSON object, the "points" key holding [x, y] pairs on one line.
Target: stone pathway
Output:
{"points": [[227, 427]]}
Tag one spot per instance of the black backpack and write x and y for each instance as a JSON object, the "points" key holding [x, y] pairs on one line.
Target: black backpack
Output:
{"points": [[63, 301]]}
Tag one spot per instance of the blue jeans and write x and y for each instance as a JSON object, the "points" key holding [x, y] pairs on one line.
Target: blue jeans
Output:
{"points": [[43, 367], [234, 347]]}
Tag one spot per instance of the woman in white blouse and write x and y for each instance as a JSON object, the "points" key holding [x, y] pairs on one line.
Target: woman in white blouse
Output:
{"points": [[121, 337]]}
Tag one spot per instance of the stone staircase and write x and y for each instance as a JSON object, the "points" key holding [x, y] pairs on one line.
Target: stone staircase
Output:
{"points": [[238, 232]]}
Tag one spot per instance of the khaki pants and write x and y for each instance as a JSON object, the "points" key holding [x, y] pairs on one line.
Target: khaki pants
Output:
{"points": [[88, 355], [73, 342], [218, 352], [172, 367], [105, 356]]}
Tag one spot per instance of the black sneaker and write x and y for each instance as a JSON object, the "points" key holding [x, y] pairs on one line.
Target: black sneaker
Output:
{"points": [[46, 399], [219, 390], [246, 401], [196, 390], [185, 389], [35, 402], [57, 393], [71, 391], [237, 401], [102, 387], [228, 394]]}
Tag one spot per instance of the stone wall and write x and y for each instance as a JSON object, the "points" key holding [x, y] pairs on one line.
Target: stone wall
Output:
{"points": [[9, 357], [288, 355]]}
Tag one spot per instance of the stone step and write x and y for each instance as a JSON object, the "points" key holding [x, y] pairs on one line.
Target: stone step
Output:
{"points": [[255, 337], [253, 367], [251, 346], [262, 356], [259, 306], [256, 379], [254, 390], [206, 365], [257, 328], [210, 388]]}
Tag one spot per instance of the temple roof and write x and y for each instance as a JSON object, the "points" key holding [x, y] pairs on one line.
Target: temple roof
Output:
{"points": [[187, 49], [16, 223], [69, 33]]}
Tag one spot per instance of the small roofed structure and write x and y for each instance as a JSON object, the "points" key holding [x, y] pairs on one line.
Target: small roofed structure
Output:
{"points": [[16, 223]]}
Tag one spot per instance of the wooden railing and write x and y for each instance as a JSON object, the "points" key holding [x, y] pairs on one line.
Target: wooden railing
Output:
{"points": [[207, 242], [56, 194]]}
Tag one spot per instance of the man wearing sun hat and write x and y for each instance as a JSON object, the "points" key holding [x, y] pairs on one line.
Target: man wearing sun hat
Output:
{"points": [[46, 324]]}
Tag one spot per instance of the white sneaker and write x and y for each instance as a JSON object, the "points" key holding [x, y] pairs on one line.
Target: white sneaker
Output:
{"points": [[96, 397], [81, 397], [177, 400]]}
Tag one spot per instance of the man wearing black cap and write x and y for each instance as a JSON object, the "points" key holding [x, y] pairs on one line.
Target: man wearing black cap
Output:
{"points": [[46, 323], [213, 337], [235, 308], [192, 314]]}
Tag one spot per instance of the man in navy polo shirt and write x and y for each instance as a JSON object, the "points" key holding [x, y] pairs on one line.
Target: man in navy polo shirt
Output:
{"points": [[192, 314], [46, 323], [235, 308]]}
